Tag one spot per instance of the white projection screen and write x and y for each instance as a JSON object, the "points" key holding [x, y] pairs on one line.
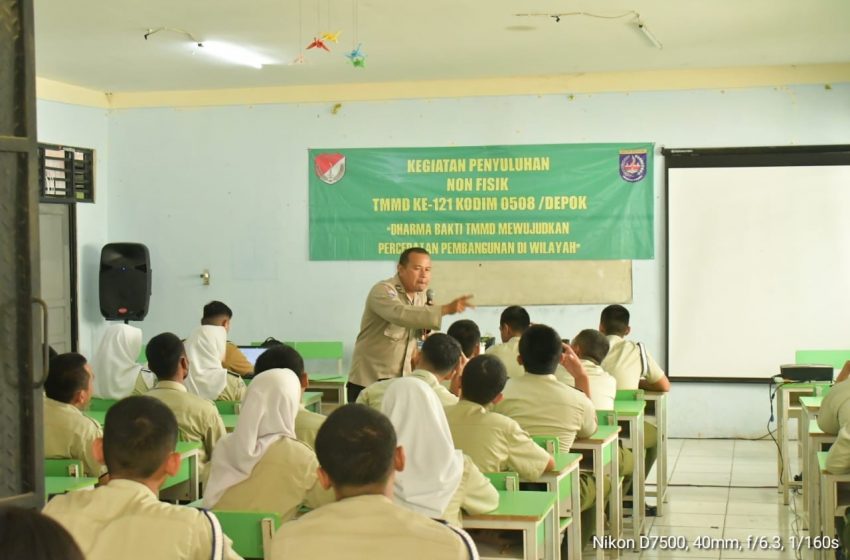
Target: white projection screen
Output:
{"points": [[758, 258]]}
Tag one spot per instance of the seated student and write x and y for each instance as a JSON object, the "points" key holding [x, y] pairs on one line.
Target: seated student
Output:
{"points": [[197, 418], [539, 402], [218, 314], [835, 408], [261, 466], [512, 323], [68, 433], [437, 480], [438, 361], [125, 519], [116, 362], [358, 455], [633, 368], [468, 335], [205, 349], [591, 347], [494, 442], [307, 422], [26, 533]]}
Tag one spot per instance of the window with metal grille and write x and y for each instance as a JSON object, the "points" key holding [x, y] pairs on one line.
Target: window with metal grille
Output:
{"points": [[65, 173]]}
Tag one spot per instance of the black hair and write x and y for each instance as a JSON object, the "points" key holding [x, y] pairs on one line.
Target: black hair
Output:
{"points": [[483, 379], [26, 533], [164, 352], [540, 348], [66, 375], [442, 353], [593, 345], [516, 318], [215, 310], [614, 320], [280, 356], [405, 255], [355, 446], [138, 435], [468, 335]]}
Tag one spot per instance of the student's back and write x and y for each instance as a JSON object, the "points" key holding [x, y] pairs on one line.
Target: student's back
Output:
{"points": [[835, 408]]}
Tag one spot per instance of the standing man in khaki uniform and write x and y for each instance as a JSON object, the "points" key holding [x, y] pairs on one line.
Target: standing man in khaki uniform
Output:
{"points": [[197, 418], [68, 433], [125, 519], [396, 311]]}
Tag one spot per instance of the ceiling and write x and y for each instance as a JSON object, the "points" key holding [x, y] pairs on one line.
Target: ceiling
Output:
{"points": [[99, 44]]}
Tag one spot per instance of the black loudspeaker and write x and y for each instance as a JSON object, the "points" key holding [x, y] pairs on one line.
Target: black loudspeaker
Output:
{"points": [[125, 281]]}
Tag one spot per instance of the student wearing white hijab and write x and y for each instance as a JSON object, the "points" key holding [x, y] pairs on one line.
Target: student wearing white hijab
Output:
{"points": [[261, 466], [117, 371], [437, 479], [208, 378]]}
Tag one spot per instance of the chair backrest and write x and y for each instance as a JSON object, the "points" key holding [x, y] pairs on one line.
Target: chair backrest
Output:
{"points": [[629, 395], [834, 358], [228, 407], [606, 417], [63, 467], [101, 405], [251, 532], [550, 443], [506, 481]]}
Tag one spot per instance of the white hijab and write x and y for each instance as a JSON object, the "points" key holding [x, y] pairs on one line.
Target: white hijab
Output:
{"points": [[268, 414], [433, 467], [205, 350], [115, 363]]}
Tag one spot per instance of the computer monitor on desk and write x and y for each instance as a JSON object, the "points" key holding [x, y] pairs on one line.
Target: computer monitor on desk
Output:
{"points": [[806, 372], [252, 352]]}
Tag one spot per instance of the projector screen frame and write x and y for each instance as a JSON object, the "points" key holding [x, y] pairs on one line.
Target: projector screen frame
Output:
{"points": [[756, 156]]}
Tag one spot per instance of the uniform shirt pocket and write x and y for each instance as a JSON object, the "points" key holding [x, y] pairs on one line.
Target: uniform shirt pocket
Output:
{"points": [[395, 332]]}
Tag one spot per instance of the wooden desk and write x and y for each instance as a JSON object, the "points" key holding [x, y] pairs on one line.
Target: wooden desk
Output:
{"points": [[229, 421], [788, 396], [809, 409], [525, 512], [331, 386], [564, 483], [185, 485], [630, 413], [54, 485], [834, 500], [656, 407], [312, 401], [602, 448], [817, 441]]}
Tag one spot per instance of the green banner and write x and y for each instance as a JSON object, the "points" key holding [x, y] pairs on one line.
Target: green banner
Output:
{"points": [[558, 201]]}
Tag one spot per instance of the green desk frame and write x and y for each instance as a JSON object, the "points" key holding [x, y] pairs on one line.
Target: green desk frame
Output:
{"points": [[631, 414]]}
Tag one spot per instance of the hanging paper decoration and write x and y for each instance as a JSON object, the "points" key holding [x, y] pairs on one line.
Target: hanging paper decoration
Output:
{"points": [[356, 56], [318, 44], [331, 37]]}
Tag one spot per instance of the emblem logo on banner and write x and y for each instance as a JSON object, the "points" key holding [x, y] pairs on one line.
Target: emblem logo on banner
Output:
{"points": [[632, 165], [330, 168]]}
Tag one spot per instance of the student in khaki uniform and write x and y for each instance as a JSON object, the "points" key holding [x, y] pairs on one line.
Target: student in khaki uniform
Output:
{"points": [[438, 480], [359, 457], [439, 361], [835, 408], [512, 323], [281, 356], [125, 519], [591, 347], [633, 368], [197, 418], [218, 314], [468, 335], [207, 378], [68, 433], [116, 361], [260, 466], [545, 406], [396, 311], [494, 442]]}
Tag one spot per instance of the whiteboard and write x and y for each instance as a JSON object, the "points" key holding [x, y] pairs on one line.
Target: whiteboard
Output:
{"points": [[758, 267], [500, 283]]}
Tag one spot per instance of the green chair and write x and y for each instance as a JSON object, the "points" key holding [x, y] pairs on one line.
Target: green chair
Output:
{"points": [[507, 481], [142, 358], [834, 358], [63, 467], [606, 417], [251, 532], [228, 407], [101, 405], [629, 395], [550, 443]]}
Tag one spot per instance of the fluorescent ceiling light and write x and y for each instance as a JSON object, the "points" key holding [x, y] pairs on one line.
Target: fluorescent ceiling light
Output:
{"points": [[233, 53]]}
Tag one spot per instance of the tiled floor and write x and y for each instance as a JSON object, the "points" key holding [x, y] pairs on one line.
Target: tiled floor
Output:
{"points": [[723, 490]]}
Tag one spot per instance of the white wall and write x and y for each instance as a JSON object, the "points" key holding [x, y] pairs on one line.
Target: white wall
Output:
{"points": [[226, 189], [84, 127]]}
